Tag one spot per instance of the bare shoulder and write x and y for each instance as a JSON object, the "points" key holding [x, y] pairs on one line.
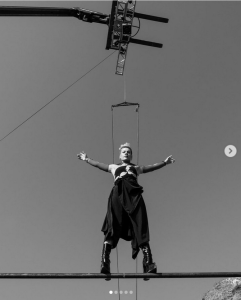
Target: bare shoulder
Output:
{"points": [[112, 168]]}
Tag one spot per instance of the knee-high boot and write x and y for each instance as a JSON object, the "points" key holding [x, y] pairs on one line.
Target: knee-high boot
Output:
{"points": [[148, 265], [105, 262]]}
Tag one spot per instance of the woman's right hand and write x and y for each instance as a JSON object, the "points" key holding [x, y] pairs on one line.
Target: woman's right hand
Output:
{"points": [[82, 155]]}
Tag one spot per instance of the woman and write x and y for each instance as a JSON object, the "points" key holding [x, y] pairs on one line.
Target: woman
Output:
{"points": [[126, 216]]}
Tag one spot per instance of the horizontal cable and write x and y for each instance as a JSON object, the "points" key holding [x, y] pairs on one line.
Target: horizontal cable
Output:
{"points": [[56, 97]]}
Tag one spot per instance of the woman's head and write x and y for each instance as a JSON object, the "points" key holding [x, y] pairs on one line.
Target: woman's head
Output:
{"points": [[125, 152]]}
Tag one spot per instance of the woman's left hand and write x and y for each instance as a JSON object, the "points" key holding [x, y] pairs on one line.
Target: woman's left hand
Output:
{"points": [[169, 160]]}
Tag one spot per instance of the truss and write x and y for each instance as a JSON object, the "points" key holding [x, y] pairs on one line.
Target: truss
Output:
{"points": [[121, 34], [120, 28]]}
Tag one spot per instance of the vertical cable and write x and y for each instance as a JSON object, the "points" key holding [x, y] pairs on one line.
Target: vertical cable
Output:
{"points": [[113, 155], [113, 161], [124, 88], [137, 110], [118, 272], [136, 278]]}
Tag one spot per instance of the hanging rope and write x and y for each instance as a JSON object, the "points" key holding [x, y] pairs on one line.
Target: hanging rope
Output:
{"points": [[124, 87], [113, 151], [137, 110], [118, 271], [113, 161]]}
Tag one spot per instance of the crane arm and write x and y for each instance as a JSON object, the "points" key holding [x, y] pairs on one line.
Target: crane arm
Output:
{"points": [[79, 13]]}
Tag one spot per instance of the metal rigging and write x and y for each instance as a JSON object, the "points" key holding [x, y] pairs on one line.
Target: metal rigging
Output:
{"points": [[119, 21]]}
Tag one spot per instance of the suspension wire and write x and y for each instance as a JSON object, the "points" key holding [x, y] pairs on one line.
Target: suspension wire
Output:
{"points": [[118, 271], [113, 159], [113, 155], [136, 278], [137, 110], [124, 88], [57, 96]]}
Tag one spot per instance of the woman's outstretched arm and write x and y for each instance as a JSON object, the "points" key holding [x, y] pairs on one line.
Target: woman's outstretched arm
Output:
{"points": [[168, 160], [101, 166]]}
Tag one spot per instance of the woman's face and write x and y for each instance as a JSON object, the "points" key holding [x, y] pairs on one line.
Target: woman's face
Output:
{"points": [[125, 155]]}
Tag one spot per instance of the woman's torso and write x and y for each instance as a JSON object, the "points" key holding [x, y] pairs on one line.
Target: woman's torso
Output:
{"points": [[119, 171]]}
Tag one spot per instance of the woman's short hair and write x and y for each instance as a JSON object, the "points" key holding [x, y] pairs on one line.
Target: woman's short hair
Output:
{"points": [[126, 145]]}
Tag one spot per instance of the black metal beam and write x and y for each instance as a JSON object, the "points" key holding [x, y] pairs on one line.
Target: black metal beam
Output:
{"points": [[79, 13], [111, 25], [146, 43], [117, 275], [151, 18], [13, 11]]}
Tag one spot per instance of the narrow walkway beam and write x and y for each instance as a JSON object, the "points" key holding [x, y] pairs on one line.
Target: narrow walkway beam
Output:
{"points": [[116, 275]]}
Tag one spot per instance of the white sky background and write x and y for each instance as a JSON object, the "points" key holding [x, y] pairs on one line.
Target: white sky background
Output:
{"points": [[53, 205]]}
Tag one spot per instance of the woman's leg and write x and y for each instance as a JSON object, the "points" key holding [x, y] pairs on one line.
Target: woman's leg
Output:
{"points": [[109, 241], [113, 241], [105, 258], [108, 245], [148, 265]]}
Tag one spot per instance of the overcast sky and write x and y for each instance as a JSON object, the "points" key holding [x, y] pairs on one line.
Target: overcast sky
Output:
{"points": [[53, 205]]}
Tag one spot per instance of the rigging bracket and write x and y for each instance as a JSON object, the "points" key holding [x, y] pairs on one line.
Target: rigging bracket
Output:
{"points": [[126, 104]]}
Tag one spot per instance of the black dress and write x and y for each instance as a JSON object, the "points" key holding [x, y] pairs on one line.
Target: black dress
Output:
{"points": [[126, 216]]}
